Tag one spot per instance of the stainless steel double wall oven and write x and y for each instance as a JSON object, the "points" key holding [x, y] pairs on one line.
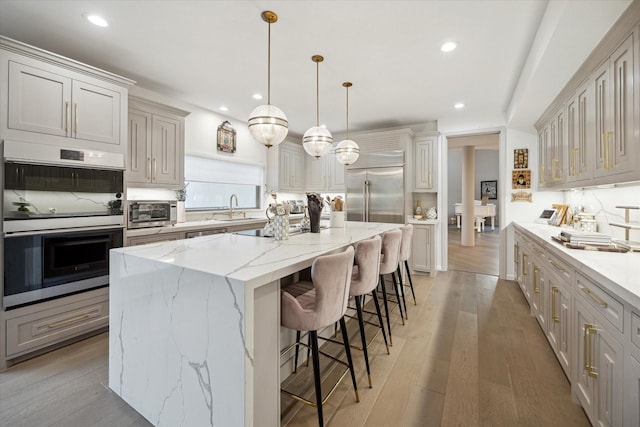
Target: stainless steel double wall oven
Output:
{"points": [[62, 213]]}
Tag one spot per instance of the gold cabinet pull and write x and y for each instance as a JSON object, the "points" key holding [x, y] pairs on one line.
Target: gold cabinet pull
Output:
{"points": [[66, 321], [597, 300], [76, 118], [67, 119], [524, 265], [556, 265], [538, 251], [554, 162], [536, 288], [574, 167], [590, 331], [554, 316]]}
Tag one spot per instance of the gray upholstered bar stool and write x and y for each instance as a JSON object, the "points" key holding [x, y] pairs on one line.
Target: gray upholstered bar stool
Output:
{"points": [[390, 253], [364, 280], [405, 253], [323, 304]]}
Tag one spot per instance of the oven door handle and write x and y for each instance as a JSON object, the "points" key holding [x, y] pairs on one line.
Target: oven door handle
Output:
{"points": [[84, 242], [60, 231]]}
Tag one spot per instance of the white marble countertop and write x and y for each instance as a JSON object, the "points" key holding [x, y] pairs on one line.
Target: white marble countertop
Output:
{"points": [[423, 221], [255, 260], [616, 271], [257, 219]]}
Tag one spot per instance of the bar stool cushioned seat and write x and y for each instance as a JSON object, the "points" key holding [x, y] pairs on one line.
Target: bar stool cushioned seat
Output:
{"points": [[364, 280], [405, 253], [390, 253], [322, 305]]}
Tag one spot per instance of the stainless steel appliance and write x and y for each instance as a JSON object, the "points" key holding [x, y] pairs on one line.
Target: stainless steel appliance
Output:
{"points": [[62, 213], [152, 213], [41, 266], [375, 188]]}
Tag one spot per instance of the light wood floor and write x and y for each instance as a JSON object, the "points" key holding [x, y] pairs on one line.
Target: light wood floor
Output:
{"points": [[469, 355], [481, 258]]}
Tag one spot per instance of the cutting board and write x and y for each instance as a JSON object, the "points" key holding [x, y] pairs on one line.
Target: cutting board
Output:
{"points": [[610, 248]]}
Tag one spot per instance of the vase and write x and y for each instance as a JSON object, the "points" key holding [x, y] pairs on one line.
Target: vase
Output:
{"points": [[314, 202], [432, 213], [281, 227], [336, 219]]}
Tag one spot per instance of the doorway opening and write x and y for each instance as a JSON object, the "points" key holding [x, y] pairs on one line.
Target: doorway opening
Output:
{"points": [[477, 251]]}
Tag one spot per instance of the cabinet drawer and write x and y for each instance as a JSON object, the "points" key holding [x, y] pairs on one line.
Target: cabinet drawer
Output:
{"points": [[42, 328], [605, 304], [635, 329], [560, 268]]}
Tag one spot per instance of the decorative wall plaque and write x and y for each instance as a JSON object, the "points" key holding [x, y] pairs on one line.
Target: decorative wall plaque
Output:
{"points": [[522, 196], [521, 179], [521, 158], [226, 138]]}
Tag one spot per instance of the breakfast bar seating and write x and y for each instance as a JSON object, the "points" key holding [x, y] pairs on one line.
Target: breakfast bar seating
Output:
{"points": [[195, 324], [323, 304]]}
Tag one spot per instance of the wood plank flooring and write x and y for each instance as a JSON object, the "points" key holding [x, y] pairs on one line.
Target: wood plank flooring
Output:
{"points": [[469, 355]]}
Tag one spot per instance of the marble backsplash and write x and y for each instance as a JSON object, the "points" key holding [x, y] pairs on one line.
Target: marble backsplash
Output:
{"points": [[602, 203]]}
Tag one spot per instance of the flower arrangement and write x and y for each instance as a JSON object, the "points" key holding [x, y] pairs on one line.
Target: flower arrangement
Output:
{"points": [[181, 194], [337, 204], [276, 208]]}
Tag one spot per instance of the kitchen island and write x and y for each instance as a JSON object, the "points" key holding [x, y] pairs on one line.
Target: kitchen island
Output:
{"points": [[195, 324]]}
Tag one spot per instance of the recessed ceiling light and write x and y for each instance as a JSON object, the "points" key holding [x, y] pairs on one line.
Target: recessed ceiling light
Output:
{"points": [[223, 108], [459, 105], [96, 20], [448, 46], [257, 96]]}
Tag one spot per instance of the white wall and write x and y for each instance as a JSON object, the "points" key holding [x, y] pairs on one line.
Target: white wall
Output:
{"points": [[201, 127]]}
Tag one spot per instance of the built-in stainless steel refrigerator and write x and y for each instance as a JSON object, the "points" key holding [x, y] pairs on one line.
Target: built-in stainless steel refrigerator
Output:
{"points": [[375, 188]]}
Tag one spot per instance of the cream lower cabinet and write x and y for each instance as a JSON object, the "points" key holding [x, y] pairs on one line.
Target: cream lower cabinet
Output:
{"points": [[153, 238], [594, 333], [559, 321], [632, 388], [539, 294], [599, 369], [422, 253], [599, 378]]}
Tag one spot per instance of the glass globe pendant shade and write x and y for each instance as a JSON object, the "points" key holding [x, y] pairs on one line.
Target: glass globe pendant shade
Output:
{"points": [[268, 125], [317, 141], [347, 152]]}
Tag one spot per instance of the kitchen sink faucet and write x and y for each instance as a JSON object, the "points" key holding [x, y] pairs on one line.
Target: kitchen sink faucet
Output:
{"points": [[231, 204]]}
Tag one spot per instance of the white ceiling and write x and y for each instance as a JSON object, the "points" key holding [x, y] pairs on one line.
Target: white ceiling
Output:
{"points": [[513, 57]]}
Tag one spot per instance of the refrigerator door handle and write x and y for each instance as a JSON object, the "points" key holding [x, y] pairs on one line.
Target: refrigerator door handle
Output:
{"points": [[366, 201]]}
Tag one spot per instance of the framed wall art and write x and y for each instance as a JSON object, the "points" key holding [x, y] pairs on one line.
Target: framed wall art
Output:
{"points": [[226, 138], [521, 179], [489, 189], [521, 158]]}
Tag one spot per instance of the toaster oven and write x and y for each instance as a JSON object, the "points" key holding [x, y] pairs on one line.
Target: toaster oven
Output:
{"points": [[152, 213]]}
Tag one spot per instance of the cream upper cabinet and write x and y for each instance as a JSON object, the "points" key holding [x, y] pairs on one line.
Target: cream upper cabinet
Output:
{"points": [[596, 139], [286, 167], [324, 174], [156, 145], [580, 134], [45, 96], [316, 173], [45, 102], [617, 137], [552, 147], [425, 165]]}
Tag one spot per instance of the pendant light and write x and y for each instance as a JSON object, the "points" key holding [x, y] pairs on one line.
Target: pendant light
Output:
{"points": [[347, 151], [267, 123], [317, 141]]}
